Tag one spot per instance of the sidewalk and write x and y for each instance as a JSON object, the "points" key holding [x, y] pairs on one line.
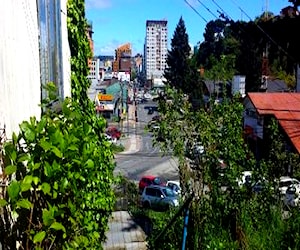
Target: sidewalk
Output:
{"points": [[124, 233]]}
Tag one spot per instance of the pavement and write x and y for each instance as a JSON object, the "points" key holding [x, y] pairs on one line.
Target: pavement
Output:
{"points": [[124, 233]]}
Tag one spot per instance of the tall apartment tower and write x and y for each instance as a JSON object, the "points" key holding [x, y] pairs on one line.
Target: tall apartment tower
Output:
{"points": [[156, 48]]}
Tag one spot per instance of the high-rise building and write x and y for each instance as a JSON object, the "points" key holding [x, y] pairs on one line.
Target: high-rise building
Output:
{"points": [[156, 48]]}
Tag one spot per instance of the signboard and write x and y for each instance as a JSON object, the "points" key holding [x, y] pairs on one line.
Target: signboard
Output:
{"points": [[105, 107], [105, 97]]}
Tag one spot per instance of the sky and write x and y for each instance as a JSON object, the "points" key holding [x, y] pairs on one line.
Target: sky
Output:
{"points": [[116, 22]]}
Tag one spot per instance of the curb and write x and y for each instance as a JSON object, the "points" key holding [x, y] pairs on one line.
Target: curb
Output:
{"points": [[132, 144]]}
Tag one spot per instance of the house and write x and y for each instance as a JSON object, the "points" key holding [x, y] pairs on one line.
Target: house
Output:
{"points": [[260, 108]]}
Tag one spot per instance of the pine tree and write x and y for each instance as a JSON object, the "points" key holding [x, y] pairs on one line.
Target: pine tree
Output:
{"points": [[181, 72], [177, 59]]}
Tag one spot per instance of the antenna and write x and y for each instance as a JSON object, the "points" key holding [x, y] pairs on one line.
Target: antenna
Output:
{"points": [[267, 10]]}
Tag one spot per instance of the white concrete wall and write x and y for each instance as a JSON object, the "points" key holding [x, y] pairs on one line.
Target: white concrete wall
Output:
{"points": [[20, 82], [66, 51], [19, 64]]}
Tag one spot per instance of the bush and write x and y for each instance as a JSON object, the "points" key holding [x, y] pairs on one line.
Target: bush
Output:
{"points": [[61, 175]]}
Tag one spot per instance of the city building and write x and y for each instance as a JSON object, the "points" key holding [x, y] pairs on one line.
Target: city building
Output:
{"points": [[122, 60], [89, 34], [155, 49], [94, 65], [138, 63]]}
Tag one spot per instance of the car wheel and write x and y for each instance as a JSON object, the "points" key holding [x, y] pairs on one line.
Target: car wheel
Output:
{"points": [[146, 204], [167, 207]]}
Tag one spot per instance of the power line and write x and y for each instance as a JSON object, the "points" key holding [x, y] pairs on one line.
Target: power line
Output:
{"points": [[196, 11], [265, 33], [223, 12], [207, 9]]}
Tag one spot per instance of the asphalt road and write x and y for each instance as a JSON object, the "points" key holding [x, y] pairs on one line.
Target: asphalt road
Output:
{"points": [[148, 159]]}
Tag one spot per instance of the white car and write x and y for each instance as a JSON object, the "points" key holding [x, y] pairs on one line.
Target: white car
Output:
{"points": [[175, 186], [245, 178], [110, 139], [285, 182], [291, 197]]}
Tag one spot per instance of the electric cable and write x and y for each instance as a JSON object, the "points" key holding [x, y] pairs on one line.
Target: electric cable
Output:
{"points": [[208, 9], [196, 11], [264, 32]]}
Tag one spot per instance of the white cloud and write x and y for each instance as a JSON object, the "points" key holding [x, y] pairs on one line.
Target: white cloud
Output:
{"points": [[98, 4], [107, 49]]}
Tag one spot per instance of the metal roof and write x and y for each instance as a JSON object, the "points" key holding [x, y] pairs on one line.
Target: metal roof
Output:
{"points": [[286, 109]]}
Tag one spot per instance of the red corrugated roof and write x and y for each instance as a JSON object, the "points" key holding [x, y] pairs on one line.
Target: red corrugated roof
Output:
{"points": [[286, 109]]}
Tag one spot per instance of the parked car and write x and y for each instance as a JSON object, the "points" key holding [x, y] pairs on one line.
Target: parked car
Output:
{"points": [[248, 180], [194, 150], [114, 132], [159, 197], [245, 179], [156, 118], [148, 180], [291, 197], [150, 111], [152, 125], [175, 186], [110, 138], [285, 182]]}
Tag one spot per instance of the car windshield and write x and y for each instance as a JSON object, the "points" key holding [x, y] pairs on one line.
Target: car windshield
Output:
{"points": [[285, 183], [168, 192]]}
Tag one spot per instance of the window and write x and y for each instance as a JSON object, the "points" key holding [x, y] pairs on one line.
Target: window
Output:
{"points": [[50, 43], [150, 191]]}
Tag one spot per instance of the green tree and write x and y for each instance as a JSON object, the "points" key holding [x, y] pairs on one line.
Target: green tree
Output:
{"points": [[182, 71], [177, 59], [61, 194]]}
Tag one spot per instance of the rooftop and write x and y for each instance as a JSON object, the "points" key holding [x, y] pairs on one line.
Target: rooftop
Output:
{"points": [[286, 109]]}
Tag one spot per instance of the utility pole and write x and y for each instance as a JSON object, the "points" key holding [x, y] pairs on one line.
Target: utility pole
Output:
{"points": [[122, 105]]}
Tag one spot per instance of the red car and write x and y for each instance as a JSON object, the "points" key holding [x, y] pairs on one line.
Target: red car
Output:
{"points": [[114, 132], [148, 180]]}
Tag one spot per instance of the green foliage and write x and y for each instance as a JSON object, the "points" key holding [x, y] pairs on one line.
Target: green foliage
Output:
{"points": [[60, 168], [133, 74], [222, 70], [61, 194], [179, 69], [289, 79], [80, 54], [172, 239], [227, 216], [246, 42], [117, 148], [279, 158]]}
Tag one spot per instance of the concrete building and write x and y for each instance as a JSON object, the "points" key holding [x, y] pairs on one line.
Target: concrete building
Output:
{"points": [[122, 60], [94, 66], [89, 34], [27, 61], [156, 48]]}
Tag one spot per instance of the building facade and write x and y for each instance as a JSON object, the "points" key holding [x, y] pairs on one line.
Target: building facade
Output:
{"points": [[122, 60], [34, 50], [156, 48], [94, 66], [89, 34]]}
